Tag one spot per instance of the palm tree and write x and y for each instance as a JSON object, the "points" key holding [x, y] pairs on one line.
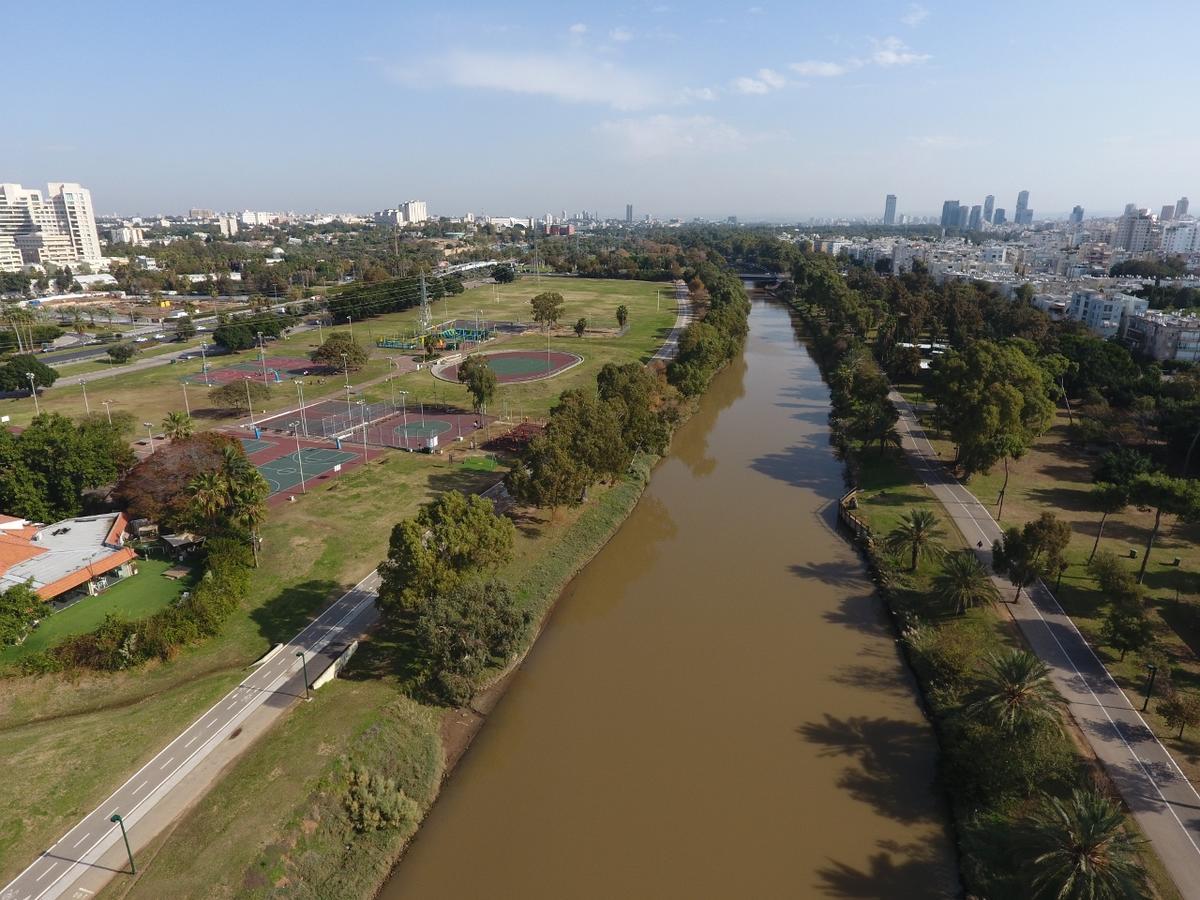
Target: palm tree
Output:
{"points": [[178, 425], [210, 495], [963, 582], [1016, 693], [919, 534], [1079, 850]]}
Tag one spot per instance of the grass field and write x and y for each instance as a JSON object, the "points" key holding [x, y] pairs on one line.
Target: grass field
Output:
{"points": [[134, 598]]}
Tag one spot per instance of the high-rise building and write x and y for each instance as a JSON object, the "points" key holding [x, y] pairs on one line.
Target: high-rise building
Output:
{"points": [[1134, 231], [199, 213], [998, 216], [1181, 208], [976, 221], [1168, 212], [628, 213], [228, 225], [1023, 214], [889, 210], [989, 207], [1076, 216], [57, 227], [1181, 237], [964, 216], [950, 214], [414, 212]]}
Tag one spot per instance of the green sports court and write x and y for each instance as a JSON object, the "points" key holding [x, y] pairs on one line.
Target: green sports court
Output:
{"points": [[255, 445], [284, 473]]}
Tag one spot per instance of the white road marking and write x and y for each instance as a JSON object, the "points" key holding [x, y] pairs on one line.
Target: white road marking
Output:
{"points": [[49, 869], [138, 789], [190, 742], [167, 763], [80, 841]]}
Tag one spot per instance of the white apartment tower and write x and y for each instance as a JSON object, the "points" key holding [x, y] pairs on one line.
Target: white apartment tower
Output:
{"points": [[414, 212], [57, 227]]}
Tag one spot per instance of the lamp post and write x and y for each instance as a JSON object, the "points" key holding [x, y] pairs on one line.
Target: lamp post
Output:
{"points": [[116, 817], [187, 407], [350, 323], [404, 416], [249, 402], [300, 394], [299, 459], [1149, 685], [320, 332], [37, 410], [150, 432], [262, 356], [204, 362], [349, 409], [362, 414], [86, 408], [108, 409], [304, 664]]}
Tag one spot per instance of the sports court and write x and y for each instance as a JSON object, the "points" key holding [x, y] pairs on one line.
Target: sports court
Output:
{"points": [[515, 366], [284, 472], [413, 428], [255, 445], [278, 369]]}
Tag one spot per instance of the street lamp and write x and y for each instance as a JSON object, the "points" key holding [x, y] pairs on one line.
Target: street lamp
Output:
{"points": [[350, 322], [249, 402], [187, 407], [87, 409], [300, 395], [150, 432], [362, 414], [116, 817], [299, 459], [108, 409], [304, 663], [1150, 684], [204, 362], [404, 416], [37, 410]]}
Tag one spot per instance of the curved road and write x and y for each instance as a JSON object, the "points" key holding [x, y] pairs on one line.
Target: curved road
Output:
{"points": [[1164, 802]]}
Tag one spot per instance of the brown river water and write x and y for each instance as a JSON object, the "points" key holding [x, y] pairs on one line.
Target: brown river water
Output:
{"points": [[717, 707]]}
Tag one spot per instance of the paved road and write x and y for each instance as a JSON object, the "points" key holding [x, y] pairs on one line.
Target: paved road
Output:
{"points": [[1165, 803], [75, 858], [683, 317]]}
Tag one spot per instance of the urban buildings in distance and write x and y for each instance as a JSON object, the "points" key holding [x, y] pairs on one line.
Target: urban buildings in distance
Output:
{"points": [[55, 227], [410, 212]]}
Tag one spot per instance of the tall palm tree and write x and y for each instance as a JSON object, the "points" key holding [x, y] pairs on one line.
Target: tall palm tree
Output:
{"points": [[1016, 694], [210, 495], [919, 534], [1079, 850], [178, 425], [963, 582]]}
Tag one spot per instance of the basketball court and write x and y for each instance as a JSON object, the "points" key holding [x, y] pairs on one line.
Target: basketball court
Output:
{"points": [[284, 473], [278, 369], [516, 366], [255, 445]]}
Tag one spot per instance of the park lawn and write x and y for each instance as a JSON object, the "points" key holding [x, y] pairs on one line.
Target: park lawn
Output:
{"points": [[1056, 477], [134, 598], [56, 766]]}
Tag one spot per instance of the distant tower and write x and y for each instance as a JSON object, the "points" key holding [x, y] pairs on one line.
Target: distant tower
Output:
{"points": [[950, 214], [998, 216], [964, 216], [628, 213], [989, 207], [1023, 214], [976, 221], [889, 210], [1077, 216], [1181, 208], [1168, 212]]}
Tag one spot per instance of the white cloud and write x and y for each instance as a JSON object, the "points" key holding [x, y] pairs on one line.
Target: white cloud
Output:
{"points": [[817, 68], [666, 136], [572, 79], [891, 51], [772, 78], [915, 15], [621, 35], [578, 28], [763, 82], [705, 94]]}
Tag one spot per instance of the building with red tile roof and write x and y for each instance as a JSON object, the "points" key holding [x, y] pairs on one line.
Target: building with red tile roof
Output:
{"points": [[81, 553]]}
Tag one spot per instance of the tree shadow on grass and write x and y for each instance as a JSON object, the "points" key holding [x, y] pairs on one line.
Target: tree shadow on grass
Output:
{"points": [[1076, 499], [386, 654], [281, 617], [892, 768], [895, 870]]}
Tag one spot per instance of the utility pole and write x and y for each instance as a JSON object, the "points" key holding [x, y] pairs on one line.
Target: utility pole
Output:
{"points": [[86, 409], [249, 402], [37, 410]]}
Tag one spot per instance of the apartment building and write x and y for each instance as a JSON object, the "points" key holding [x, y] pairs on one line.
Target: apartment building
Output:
{"points": [[55, 227], [1163, 336], [1104, 312]]}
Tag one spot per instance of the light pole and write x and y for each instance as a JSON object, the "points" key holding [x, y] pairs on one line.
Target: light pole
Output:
{"points": [[300, 394], [349, 409], [249, 402], [262, 356], [204, 361], [299, 459], [304, 664], [108, 409], [116, 817], [86, 408], [37, 410], [150, 432], [362, 414], [187, 407], [350, 323], [404, 416]]}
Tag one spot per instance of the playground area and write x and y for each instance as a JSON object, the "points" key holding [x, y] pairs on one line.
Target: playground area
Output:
{"points": [[284, 468], [271, 370], [516, 366], [454, 334]]}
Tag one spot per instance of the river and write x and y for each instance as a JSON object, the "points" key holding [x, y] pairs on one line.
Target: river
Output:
{"points": [[717, 707]]}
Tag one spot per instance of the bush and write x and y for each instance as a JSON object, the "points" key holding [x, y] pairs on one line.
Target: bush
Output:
{"points": [[374, 802]]}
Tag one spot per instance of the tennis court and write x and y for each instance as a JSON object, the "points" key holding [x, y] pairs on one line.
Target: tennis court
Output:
{"points": [[255, 445], [284, 473]]}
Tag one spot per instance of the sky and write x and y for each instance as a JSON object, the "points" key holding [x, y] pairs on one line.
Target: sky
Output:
{"points": [[778, 111]]}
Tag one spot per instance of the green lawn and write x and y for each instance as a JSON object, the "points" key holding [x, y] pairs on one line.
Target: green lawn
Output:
{"points": [[134, 598]]}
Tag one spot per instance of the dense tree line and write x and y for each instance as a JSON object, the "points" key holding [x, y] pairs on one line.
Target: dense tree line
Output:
{"points": [[15, 372], [710, 342], [241, 332]]}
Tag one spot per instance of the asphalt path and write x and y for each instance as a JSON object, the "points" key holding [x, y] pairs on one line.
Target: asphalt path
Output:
{"points": [[268, 692], [683, 317], [1165, 804]]}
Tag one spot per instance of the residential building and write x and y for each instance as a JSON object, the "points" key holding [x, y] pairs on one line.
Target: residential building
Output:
{"points": [[414, 212], [127, 234], [998, 217], [1023, 214], [1181, 237], [227, 225], [56, 227], [195, 213], [1181, 207], [75, 557], [1076, 216], [1135, 230], [1103, 312], [250, 218], [989, 208], [976, 220], [889, 210], [1162, 336], [964, 217], [1168, 213], [950, 214], [628, 213]]}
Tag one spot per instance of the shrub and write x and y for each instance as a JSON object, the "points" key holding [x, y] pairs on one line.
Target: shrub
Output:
{"points": [[374, 802]]}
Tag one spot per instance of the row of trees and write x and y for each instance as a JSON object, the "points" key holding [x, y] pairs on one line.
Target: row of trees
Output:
{"points": [[15, 372], [241, 332], [713, 340]]}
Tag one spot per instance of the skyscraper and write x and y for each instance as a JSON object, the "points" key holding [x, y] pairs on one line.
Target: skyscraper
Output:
{"points": [[628, 213], [989, 206], [1168, 212], [998, 217], [1076, 216], [976, 221], [889, 210], [964, 216], [1023, 214], [1181, 208], [56, 227], [950, 214], [1134, 230]]}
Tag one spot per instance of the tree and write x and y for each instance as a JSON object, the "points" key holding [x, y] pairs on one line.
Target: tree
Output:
{"points": [[14, 374], [1109, 499], [919, 533], [235, 336], [209, 492], [341, 353], [580, 327], [121, 353], [452, 538], [1126, 626], [632, 392], [591, 431], [547, 308], [480, 380], [234, 394], [1180, 709], [1122, 466], [184, 329], [20, 608], [622, 315], [374, 802], [963, 582], [1016, 694], [157, 488], [504, 274], [178, 425], [1166, 495], [1079, 849], [1015, 555], [549, 475]]}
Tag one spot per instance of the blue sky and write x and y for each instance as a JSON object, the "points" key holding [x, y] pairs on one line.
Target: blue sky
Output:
{"points": [[767, 110]]}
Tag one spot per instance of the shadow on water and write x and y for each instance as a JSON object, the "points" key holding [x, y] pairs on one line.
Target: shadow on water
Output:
{"points": [[895, 870], [692, 446]]}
